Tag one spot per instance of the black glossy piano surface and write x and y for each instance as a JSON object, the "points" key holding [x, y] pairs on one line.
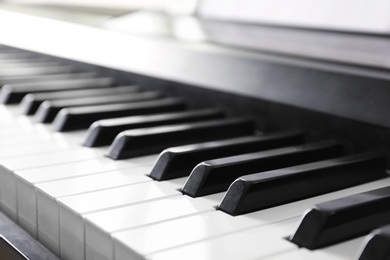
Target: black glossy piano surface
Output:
{"points": [[298, 109], [22, 241]]}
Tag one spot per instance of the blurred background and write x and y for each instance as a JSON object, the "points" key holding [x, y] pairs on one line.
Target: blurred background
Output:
{"points": [[94, 11], [333, 30], [367, 16]]}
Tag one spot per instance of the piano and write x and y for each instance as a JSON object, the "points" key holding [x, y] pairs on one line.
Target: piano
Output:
{"points": [[257, 142]]}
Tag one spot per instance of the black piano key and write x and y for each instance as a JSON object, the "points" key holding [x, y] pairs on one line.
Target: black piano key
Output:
{"points": [[376, 245], [179, 161], [216, 175], [103, 132], [30, 103], [9, 252], [76, 118], [49, 109], [267, 189], [11, 94], [342, 219], [151, 140]]}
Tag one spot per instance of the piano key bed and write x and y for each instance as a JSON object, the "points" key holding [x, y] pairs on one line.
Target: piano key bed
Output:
{"points": [[96, 170]]}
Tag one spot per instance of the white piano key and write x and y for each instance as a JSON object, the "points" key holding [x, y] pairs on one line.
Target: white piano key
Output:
{"points": [[25, 127], [33, 148], [343, 251], [24, 141], [47, 212], [46, 132], [96, 181], [19, 140], [59, 157], [17, 130], [74, 137], [287, 255], [8, 127], [36, 142], [161, 236], [38, 135], [99, 225], [80, 168], [73, 208], [27, 179], [8, 114], [20, 147], [248, 244], [151, 238], [10, 165]]}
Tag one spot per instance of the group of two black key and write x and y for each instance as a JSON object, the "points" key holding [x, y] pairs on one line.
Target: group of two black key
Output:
{"points": [[256, 171]]}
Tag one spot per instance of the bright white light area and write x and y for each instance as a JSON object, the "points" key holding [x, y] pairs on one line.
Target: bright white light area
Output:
{"points": [[171, 6], [355, 15], [187, 28]]}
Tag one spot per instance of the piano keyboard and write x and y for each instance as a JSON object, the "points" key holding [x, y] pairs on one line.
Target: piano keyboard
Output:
{"points": [[121, 173]]}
